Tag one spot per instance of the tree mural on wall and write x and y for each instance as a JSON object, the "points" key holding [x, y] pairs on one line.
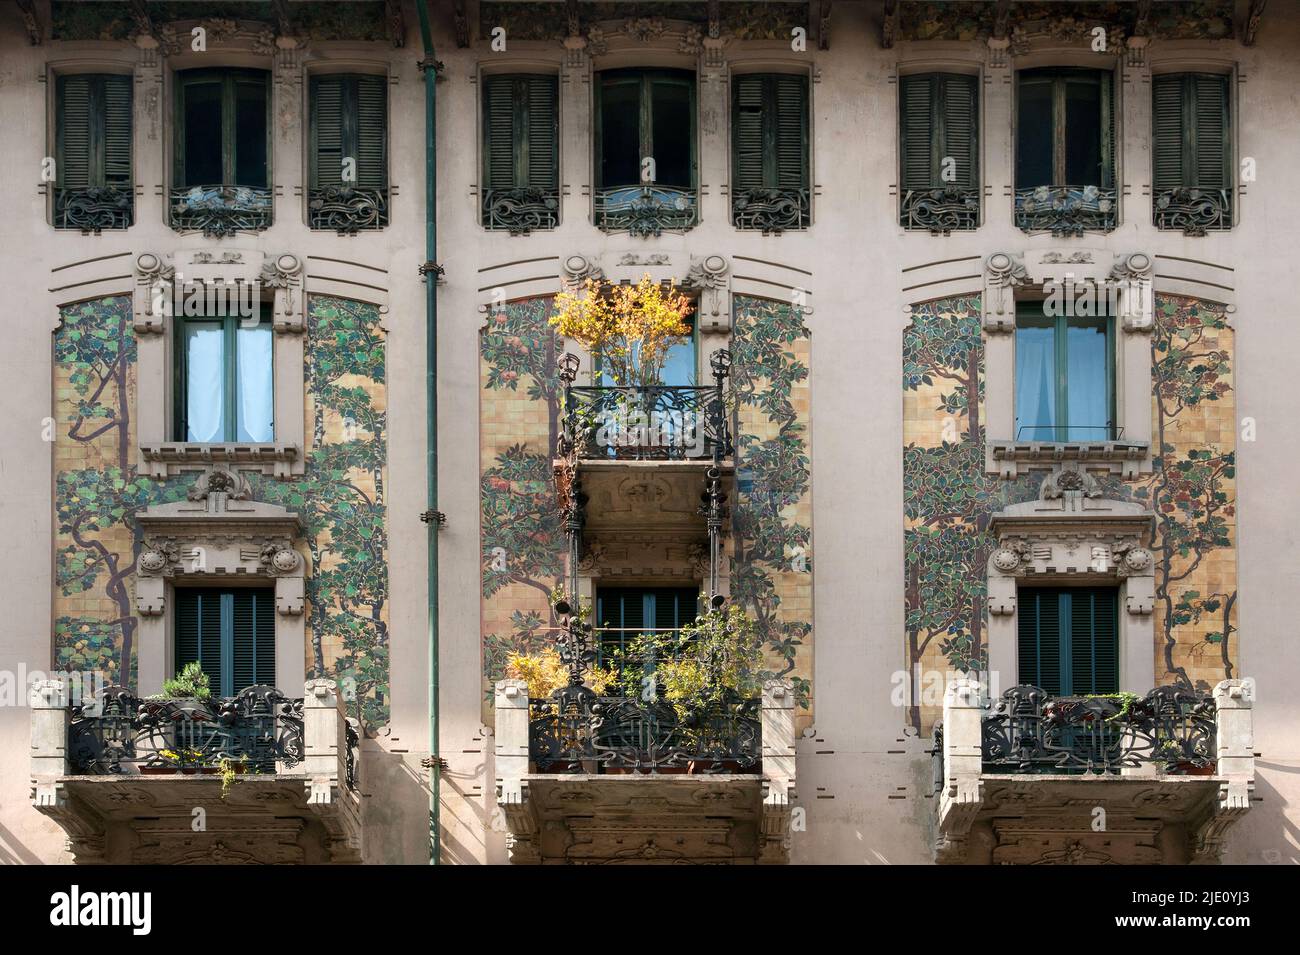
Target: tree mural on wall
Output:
{"points": [[522, 541], [774, 455]]}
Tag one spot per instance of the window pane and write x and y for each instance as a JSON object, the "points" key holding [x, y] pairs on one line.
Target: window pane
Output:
{"points": [[1035, 379], [250, 134], [202, 134], [255, 394], [1082, 133], [1087, 391], [679, 363], [620, 132], [1034, 134], [672, 134], [204, 375]]}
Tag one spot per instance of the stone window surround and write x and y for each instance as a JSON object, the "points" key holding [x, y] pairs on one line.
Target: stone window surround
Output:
{"points": [[1072, 537], [218, 536], [159, 455], [1010, 278]]}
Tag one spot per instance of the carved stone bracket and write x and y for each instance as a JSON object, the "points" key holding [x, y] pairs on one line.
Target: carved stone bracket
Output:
{"points": [[711, 275], [1134, 275], [152, 301], [578, 268], [284, 274], [1003, 273]]}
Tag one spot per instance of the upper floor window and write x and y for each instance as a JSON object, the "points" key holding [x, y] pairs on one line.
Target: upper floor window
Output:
{"points": [[93, 188], [939, 152], [521, 153], [1065, 151], [230, 633], [1191, 145], [221, 174], [1065, 376], [623, 613], [1068, 639], [225, 381], [348, 180], [646, 177], [769, 152]]}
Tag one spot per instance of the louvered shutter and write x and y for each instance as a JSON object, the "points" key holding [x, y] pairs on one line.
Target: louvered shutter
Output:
{"points": [[253, 637], [1039, 638], [371, 125], [674, 606], [117, 131], [790, 122], [75, 132], [1108, 132], [1094, 645], [1167, 132], [1212, 137], [327, 131], [959, 110], [198, 633], [540, 138], [916, 132], [499, 132], [747, 133]]}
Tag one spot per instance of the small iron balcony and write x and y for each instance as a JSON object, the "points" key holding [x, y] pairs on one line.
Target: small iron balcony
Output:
{"points": [[655, 423]]}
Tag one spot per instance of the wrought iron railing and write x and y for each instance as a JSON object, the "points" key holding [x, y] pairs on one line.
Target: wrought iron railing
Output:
{"points": [[654, 423], [574, 730], [117, 731], [1066, 210], [347, 211], [1070, 433], [1193, 211], [219, 211], [1172, 728], [520, 211], [771, 210], [646, 210], [92, 210], [942, 209]]}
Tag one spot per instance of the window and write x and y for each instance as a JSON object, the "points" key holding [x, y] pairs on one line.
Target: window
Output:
{"points": [[224, 379], [348, 188], [229, 633], [93, 188], [624, 612], [521, 153], [1068, 639], [1065, 151], [769, 152], [939, 152], [1191, 152], [222, 173], [1065, 376], [645, 151]]}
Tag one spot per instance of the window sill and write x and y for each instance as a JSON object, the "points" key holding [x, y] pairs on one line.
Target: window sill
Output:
{"points": [[1128, 455], [167, 459]]}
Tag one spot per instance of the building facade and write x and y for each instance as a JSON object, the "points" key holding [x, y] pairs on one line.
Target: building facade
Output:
{"points": [[982, 421]]}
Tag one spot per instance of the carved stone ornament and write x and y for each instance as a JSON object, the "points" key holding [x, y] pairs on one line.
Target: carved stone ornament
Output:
{"points": [[232, 485], [1006, 560], [711, 275], [1003, 273], [280, 558], [1131, 559], [157, 556], [1134, 274], [1059, 483], [153, 293], [578, 268], [284, 274]]}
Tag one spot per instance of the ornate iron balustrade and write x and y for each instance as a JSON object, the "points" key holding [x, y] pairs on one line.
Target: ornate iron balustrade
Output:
{"points": [[1031, 732], [347, 211], [1194, 211], [577, 731], [219, 211], [654, 423], [92, 210], [1066, 210], [942, 209], [646, 210], [520, 211], [771, 210], [260, 727]]}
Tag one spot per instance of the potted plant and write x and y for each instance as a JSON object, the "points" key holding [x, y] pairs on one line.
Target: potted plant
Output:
{"points": [[160, 752]]}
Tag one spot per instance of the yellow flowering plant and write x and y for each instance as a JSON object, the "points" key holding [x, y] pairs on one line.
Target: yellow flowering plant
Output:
{"points": [[628, 328]]}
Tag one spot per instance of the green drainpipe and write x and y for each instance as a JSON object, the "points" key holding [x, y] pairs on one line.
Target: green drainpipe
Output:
{"points": [[431, 516]]}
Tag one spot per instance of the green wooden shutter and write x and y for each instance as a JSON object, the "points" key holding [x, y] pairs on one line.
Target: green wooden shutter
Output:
{"points": [[959, 110], [1167, 132], [541, 139], [327, 131], [371, 127], [1094, 640], [94, 121], [747, 132], [790, 122], [917, 132], [117, 131], [1211, 154], [76, 137], [1038, 621], [499, 132], [253, 637], [1107, 132], [198, 633]]}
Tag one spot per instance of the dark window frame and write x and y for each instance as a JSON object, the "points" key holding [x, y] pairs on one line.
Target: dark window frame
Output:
{"points": [[116, 210], [357, 205], [230, 77], [230, 374], [772, 221], [939, 206], [224, 685], [1059, 78], [1066, 596], [1033, 312], [525, 205], [1189, 187]]}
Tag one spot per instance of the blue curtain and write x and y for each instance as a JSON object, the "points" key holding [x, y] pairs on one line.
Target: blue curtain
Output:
{"points": [[255, 384], [1035, 382], [1086, 388]]}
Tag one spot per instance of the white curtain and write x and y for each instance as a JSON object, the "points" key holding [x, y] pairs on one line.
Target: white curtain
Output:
{"points": [[1087, 394], [204, 372], [1036, 383], [255, 384]]}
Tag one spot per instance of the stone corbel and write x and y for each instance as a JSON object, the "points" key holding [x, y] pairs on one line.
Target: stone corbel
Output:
{"points": [[289, 596], [1005, 565], [962, 795], [579, 268], [284, 274], [1003, 273], [1133, 274], [511, 767], [711, 275], [152, 300], [150, 596]]}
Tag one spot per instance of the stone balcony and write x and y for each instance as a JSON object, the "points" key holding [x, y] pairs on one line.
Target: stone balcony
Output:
{"points": [[596, 780], [1092, 780], [257, 778]]}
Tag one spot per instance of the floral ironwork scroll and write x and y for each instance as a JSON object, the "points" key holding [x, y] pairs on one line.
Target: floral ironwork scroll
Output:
{"points": [[646, 210], [92, 210], [346, 210], [520, 211], [219, 211], [1066, 210], [945, 209], [771, 210], [1193, 211]]}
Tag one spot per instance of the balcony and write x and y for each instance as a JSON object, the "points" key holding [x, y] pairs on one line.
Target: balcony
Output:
{"points": [[1066, 210], [940, 210], [653, 423], [1193, 211], [520, 211], [346, 210], [771, 211], [588, 779], [1092, 780], [646, 210], [93, 209], [257, 777], [219, 211]]}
